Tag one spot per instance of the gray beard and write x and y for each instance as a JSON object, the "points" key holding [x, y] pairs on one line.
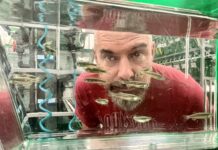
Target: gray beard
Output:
{"points": [[128, 105], [125, 104]]}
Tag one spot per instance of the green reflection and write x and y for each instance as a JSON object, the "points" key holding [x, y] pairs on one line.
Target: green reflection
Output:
{"points": [[206, 7]]}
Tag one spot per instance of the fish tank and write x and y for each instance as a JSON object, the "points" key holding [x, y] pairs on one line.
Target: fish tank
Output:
{"points": [[108, 74]]}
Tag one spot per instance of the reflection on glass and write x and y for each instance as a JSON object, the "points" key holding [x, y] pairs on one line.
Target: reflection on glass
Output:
{"points": [[140, 91], [128, 81]]}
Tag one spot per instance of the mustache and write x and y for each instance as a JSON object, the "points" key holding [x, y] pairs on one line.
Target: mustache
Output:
{"points": [[128, 94], [126, 100], [128, 85]]}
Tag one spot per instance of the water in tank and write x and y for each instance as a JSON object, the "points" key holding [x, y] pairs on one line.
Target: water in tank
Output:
{"points": [[115, 74]]}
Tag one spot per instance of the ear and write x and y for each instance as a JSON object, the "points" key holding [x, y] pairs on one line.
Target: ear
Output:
{"points": [[95, 56], [153, 48]]}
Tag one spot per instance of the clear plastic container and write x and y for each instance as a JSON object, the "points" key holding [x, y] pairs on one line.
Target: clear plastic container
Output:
{"points": [[139, 99]]}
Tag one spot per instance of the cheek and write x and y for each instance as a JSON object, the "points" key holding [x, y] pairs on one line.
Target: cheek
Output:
{"points": [[139, 68], [145, 60], [110, 75], [146, 63]]}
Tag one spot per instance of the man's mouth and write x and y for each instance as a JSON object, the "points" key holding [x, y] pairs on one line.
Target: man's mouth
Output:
{"points": [[125, 96], [127, 86], [119, 87]]}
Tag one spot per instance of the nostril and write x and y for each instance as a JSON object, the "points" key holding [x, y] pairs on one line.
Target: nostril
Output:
{"points": [[111, 88]]}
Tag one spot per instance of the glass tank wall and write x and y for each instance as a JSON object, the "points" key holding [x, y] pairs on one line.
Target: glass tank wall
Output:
{"points": [[83, 74]]}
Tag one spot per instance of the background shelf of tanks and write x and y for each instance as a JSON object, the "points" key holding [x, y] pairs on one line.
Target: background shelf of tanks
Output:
{"points": [[170, 51], [20, 55], [20, 58]]}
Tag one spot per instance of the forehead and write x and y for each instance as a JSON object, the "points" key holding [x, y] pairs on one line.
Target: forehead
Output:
{"points": [[106, 39]]}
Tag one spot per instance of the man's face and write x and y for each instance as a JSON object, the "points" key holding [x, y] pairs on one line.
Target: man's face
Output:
{"points": [[123, 55]]}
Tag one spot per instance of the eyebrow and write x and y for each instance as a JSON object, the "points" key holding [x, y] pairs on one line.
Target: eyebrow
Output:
{"points": [[110, 52], [142, 45], [106, 51]]}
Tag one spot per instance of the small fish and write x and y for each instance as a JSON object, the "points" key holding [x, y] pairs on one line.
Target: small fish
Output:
{"points": [[130, 84], [25, 84], [50, 50], [125, 96], [69, 105], [146, 69], [200, 115], [26, 75], [70, 136], [136, 84], [38, 79], [153, 74], [49, 43], [23, 78], [48, 47], [95, 80], [86, 64], [141, 119], [102, 101], [94, 70]]}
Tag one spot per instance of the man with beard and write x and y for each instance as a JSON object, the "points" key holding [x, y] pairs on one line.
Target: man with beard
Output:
{"points": [[134, 93]]}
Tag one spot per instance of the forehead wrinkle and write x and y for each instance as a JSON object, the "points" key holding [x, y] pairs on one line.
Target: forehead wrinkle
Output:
{"points": [[118, 37], [107, 35], [121, 37]]}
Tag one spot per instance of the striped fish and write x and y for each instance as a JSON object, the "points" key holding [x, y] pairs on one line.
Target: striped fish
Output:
{"points": [[141, 119], [199, 115]]}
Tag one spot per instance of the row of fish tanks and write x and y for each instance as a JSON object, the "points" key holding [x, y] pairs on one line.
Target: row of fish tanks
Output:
{"points": [[46, 47]]}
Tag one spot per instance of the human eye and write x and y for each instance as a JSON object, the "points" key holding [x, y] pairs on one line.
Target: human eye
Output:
{"points": [[137, 56], [110, 59]]}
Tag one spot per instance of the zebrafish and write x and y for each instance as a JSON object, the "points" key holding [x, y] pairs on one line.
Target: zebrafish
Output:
{"points": [[69, 104], [25, 84], [21, 81], [31, 77], [125, 96], [25, 75], [130, 84], [49, 43], [24, 79], [200, 115], [48, 48], [102, 101], [94, 70], [86, 64], [95, 80], [136, 84], [70, 136], [153, 74], [141, 119]]}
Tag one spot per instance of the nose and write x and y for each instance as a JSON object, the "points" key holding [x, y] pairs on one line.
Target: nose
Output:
{"points": [[126, 71]]}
